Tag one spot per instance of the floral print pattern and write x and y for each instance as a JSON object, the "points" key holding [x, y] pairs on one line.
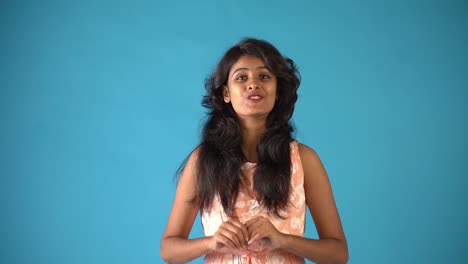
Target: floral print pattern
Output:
{"points": [[247, 207]]}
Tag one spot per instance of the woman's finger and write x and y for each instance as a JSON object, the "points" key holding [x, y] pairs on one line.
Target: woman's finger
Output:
{"points": [[259, 233], [229, 231], [222, 239], [253, 225], [241, 231]]}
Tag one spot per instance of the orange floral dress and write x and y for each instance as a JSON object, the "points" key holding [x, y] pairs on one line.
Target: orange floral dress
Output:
{"points": [[247, 207]]}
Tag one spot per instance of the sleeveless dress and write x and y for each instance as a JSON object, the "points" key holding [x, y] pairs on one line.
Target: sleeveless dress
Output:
{"points": [[247, 207]]}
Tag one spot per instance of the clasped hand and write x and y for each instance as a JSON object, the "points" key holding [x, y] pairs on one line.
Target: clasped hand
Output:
{"points": [[236, 235]]}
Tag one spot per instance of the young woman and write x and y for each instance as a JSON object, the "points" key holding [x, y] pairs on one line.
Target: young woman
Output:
{"points": [[249, 178]]}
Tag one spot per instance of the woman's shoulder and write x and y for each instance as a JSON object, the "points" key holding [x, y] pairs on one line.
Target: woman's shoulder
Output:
{"points": [[189, 165], [303, 148], [192, 157], [314, 171], [307, 154]]}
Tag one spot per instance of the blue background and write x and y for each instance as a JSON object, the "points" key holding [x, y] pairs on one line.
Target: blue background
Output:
{"points": [[100, 102]]}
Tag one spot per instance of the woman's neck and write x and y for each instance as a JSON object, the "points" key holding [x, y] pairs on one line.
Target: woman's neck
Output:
{"points": [[252, 131]]}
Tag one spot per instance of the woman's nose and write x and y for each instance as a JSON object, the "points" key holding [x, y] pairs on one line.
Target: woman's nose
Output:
{"points": [[253, 85]]}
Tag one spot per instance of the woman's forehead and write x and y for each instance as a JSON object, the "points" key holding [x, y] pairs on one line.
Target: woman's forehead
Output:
{"points": [[248, 62]]}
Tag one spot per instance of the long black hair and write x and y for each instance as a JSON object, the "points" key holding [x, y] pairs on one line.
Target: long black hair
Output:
{"points": [[220, 156]]}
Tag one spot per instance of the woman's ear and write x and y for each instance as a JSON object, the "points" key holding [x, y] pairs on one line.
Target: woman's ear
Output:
{"points": [[227, 99]]}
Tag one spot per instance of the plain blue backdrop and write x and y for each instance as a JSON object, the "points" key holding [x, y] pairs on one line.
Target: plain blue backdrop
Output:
{"points": [[100, 102]]}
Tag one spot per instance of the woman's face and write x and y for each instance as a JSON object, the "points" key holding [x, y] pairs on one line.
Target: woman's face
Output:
{"points": [[251, 88]]}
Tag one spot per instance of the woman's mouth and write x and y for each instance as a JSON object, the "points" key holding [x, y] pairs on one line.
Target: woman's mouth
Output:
{"points": [[255, 97]]}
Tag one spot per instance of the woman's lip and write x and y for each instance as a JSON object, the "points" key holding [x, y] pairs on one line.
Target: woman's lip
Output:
{"points": [[254, 97]]}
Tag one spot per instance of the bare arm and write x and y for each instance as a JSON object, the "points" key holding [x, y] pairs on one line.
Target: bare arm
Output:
{"points": [[175, 245], [331, 247]]}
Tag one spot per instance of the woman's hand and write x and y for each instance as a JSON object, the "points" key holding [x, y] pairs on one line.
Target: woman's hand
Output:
{"points": [[231, 234], [262, 228]]}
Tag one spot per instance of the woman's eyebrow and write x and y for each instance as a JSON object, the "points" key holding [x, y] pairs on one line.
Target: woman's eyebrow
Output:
{"points": [[243, 68]]}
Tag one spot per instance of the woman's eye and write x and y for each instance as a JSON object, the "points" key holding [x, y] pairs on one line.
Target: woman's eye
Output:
{"points": [[241, 78], [264, 77]]}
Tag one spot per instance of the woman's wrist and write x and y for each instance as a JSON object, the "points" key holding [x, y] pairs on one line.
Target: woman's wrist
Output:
{"points": [[207, 243], [283, 240]]}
